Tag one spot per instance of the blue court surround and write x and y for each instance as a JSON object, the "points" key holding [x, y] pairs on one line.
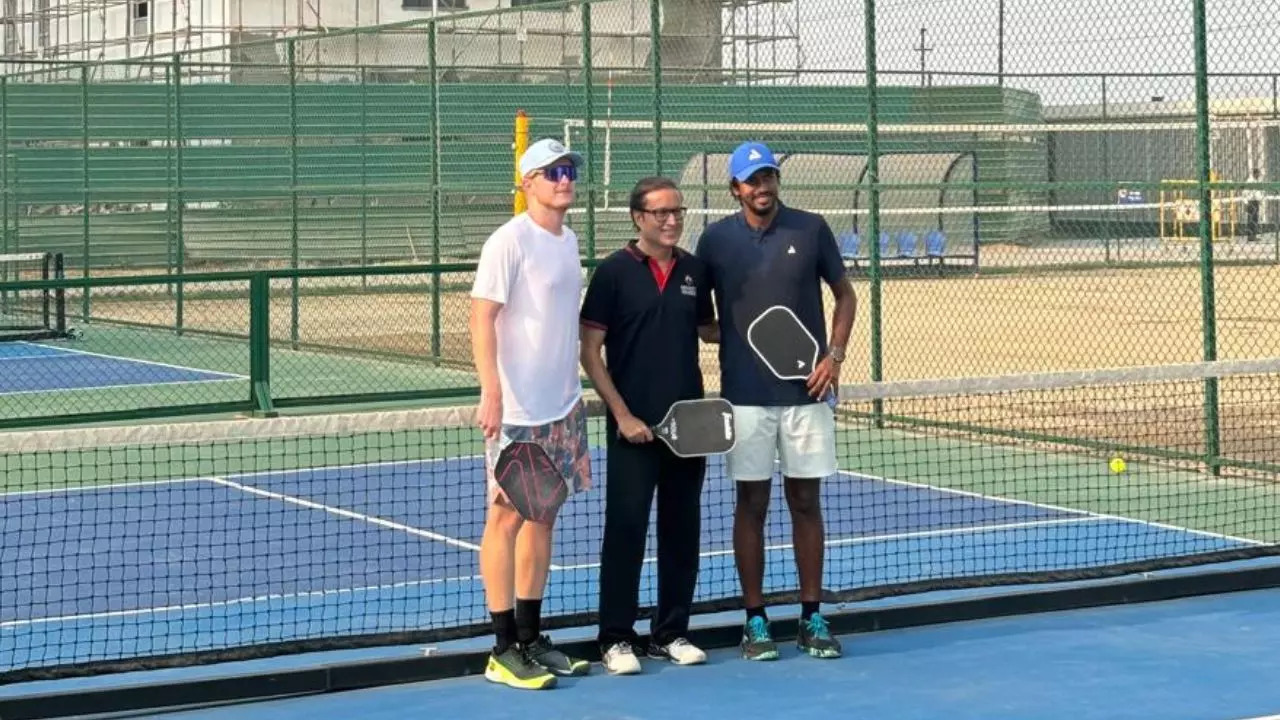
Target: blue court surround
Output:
{"points": [[1204, 658]]}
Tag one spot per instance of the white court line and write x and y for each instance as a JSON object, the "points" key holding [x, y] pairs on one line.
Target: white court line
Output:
{"points": [[136, 360], [53, 390], [371, 519], [259, 473], [107, 486], [353, 466], [29, 357], [1056, 508], [476, 578], [229, 603], [1263, 717], [274, 496]]}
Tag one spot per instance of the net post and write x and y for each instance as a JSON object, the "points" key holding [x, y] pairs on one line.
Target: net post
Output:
{"points": [[1204, 169], [520, 143], [260, 345]]}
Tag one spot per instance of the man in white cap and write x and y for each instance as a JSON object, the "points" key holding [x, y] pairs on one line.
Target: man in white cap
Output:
{"points": [[524, 334]]}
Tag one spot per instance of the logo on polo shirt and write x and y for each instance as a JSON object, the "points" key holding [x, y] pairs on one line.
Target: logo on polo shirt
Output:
{"points": [[791, 250], [688, 288]]}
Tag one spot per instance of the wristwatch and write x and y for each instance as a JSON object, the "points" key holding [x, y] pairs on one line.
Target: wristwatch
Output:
{"points": [[837, 354]]}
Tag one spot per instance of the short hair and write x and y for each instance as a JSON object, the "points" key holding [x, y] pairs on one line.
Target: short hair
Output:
{"points": [[643, 187], [647, 185]]}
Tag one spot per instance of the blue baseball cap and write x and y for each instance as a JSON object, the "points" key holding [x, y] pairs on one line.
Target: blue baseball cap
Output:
{"points": [[749, 157], [544, 153]]}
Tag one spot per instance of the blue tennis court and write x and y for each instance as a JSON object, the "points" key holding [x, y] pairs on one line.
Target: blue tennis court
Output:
{"points": [[27, 367], [220, 561]]}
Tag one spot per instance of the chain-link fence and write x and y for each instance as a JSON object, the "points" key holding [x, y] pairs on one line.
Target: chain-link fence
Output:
{"points": [[1015, 187]]}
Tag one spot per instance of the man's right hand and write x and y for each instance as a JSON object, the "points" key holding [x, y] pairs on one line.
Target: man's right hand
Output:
{"points": [[634, 429], [489, 415]]}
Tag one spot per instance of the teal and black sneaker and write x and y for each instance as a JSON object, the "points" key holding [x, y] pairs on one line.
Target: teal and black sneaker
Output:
{"points": [[757, 643], [815, 638]]}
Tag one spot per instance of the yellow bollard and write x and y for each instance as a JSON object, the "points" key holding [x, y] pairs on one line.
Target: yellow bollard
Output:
{"points": [[521, 144]]}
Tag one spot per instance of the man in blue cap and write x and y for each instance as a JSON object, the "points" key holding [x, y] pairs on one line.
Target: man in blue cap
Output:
{"points": [[764, 255], [524, 335]]}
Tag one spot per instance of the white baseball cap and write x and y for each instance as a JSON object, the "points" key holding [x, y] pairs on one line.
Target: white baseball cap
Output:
{"points": [[546, 152]]}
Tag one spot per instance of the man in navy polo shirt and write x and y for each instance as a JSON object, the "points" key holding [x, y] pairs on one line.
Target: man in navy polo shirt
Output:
{"points": [[646, 305], [764, 255]]}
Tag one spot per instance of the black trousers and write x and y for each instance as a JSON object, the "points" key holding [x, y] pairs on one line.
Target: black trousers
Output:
{"points": [[634, 472]]}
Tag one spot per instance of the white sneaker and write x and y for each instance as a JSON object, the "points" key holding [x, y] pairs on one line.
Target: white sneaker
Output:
{"points": [[619, 659], [680, 652]]}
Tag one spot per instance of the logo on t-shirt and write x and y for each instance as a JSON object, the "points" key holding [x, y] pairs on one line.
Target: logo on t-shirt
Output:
{"points": [[688, 287]]}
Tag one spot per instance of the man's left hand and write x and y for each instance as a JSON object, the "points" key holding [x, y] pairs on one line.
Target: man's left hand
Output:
{"points": [[826, 376]]}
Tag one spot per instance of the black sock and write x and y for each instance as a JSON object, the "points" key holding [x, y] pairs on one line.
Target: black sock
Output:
{"points": [[528, 620], [757, 612], [504, 630], [807, 610]]}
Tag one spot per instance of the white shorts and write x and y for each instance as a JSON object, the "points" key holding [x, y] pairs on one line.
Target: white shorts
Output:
{"points": [[801, 439]]}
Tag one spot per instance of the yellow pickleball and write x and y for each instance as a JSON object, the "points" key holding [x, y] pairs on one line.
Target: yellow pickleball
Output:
{"points": [[1118, 465]]}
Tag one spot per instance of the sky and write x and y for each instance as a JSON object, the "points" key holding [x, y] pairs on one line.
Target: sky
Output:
{"points": [[1041, 37]]}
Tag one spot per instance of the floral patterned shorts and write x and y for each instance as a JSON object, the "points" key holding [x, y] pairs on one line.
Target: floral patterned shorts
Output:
{"points": [[564, 441]]}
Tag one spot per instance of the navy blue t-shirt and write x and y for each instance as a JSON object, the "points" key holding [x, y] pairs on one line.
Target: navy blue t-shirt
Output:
{"points": [[752, 270]]}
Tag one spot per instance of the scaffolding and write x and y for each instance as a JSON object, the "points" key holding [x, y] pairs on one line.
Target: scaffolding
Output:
{"points": [[100, 30], [717, 41], [761, 41]]}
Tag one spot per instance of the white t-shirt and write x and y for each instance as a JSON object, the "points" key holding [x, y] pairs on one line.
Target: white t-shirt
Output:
{"points": [[537, 277]]}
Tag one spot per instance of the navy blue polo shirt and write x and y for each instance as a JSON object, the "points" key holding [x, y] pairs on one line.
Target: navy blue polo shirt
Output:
{"points": [[651, 320], [752, 270]]}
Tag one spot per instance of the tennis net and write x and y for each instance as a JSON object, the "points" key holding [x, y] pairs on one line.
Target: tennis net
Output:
{"points": [[31, 314], [124, 548]]}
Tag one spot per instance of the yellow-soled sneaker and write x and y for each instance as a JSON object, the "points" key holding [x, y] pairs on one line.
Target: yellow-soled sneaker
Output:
{"points": [[514, 668]]}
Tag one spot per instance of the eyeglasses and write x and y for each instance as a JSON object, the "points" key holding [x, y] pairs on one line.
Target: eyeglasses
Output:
{"points": [[663, 214], [556, 173]]}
